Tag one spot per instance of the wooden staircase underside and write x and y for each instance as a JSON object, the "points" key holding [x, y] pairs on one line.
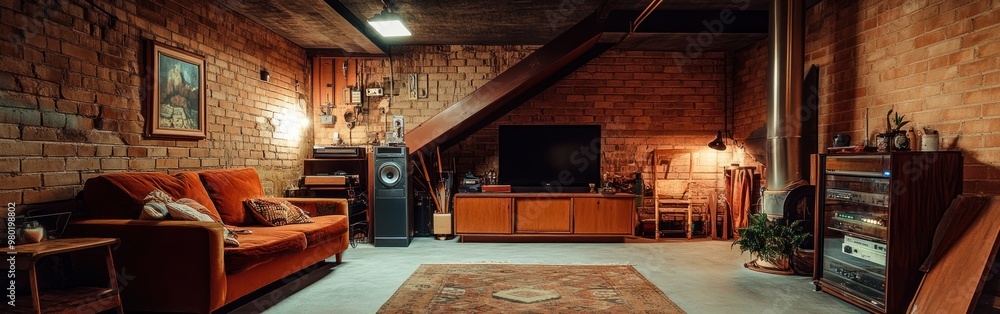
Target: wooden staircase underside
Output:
{"points": [[502, 93], [586, 40]]}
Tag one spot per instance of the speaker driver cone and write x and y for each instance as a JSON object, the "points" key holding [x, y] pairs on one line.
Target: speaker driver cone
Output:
{"points": [[389, 174]]}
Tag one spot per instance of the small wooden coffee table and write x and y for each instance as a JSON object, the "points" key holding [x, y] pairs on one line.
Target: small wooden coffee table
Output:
{"points": [[87, 299]]}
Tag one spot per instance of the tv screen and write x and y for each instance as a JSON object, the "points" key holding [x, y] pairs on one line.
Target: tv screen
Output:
{"points": [[550, 158]]}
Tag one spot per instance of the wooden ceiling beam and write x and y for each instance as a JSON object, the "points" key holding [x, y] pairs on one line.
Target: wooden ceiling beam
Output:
{"points": [[358, 23], [340, 53]]}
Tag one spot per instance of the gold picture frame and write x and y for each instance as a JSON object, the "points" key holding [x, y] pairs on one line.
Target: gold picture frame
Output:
{"points": [[176, 99]]}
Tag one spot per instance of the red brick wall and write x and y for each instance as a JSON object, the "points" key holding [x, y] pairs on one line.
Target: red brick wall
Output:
{"points": [[749, 93], [71, 94], [936, 61], [642, 100], [749, 88]]}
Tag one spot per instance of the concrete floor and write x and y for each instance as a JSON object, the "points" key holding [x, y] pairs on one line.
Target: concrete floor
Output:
{"points": [[701, 276]]}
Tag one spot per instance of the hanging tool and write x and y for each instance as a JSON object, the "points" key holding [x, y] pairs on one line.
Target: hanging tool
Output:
{"points": [[326, 116], [347, 88]]}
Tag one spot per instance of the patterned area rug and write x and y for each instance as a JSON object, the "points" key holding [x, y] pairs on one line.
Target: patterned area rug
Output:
{"points": [[527, 288]]}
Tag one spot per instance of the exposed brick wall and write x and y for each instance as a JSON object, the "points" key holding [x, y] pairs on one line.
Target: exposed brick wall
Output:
{"points": [[453, 71], [642, 100], [749, 95], [936, 61], [71, 94], [749, 88]]}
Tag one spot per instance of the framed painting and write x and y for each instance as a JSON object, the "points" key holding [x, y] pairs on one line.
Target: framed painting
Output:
{"points": [[176, 86]]}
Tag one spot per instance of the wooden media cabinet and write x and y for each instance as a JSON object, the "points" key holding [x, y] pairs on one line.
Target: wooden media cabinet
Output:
{"points": [[544, 216]]}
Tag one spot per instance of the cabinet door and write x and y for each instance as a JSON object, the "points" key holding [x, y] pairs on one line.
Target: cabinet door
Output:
{"points": [[603, 216], [542, 215], [482, 215]]}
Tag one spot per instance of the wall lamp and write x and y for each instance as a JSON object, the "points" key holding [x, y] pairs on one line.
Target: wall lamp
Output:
{"points": [[718, 143]]}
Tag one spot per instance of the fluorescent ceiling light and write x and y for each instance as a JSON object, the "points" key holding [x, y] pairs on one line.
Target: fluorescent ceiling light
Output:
{"points": [[388, 24]]}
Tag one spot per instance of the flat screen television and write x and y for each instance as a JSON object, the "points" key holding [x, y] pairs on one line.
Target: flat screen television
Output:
{"points": [[550, 158]]}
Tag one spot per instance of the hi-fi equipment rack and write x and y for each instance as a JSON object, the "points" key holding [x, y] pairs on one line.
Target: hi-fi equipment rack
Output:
{"points": [[876, 215]]}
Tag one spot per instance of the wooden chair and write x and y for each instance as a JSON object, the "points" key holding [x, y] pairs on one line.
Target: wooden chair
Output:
{"points": [[672, 201]]}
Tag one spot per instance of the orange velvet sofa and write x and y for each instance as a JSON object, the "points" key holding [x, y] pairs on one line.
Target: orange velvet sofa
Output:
{"points": [[182, 266]]}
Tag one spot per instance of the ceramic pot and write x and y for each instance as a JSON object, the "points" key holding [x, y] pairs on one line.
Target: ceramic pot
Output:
{"points": [[882, 142], [900, 141], [929, 142]]}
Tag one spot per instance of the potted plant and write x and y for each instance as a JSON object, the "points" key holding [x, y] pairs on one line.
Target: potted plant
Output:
{"points": [[772, 243], [894, 137]]}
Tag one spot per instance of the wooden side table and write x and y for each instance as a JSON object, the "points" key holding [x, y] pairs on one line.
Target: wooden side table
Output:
{"points": [[87, 299]]}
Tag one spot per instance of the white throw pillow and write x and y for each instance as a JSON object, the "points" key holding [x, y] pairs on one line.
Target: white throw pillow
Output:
{"points": [[160, 206]]}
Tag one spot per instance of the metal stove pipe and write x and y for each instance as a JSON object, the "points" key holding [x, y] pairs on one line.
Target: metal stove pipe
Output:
{"points": [[784, 92]]}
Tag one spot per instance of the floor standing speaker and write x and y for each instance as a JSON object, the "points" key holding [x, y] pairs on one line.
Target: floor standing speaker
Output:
{"points": [[392, 221]]}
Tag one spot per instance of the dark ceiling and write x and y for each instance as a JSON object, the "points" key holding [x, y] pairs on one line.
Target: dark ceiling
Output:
{"points": [[311, 24], [338, 25], [696, 5], [475, 22]]}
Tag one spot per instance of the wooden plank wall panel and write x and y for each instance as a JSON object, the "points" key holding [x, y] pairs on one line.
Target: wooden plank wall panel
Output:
{"points": [[954, 282]]}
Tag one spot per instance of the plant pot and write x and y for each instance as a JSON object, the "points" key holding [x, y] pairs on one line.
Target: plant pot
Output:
{"points": [[781, 264], [883, 142], [803, 261], [442, 225], [900, 141], [770, 267]]}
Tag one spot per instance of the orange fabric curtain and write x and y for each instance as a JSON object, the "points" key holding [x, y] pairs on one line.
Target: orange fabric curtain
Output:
{"points": [[739, 192]]}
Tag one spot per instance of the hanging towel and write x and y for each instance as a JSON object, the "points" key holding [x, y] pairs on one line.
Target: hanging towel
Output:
{"points": [[742, 191]]}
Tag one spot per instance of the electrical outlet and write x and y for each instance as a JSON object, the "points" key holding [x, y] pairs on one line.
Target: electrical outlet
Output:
{"points": [[327, 119]]}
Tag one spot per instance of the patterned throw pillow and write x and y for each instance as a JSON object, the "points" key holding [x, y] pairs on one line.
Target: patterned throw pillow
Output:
{"points": [[160, 206], [276, 212]]}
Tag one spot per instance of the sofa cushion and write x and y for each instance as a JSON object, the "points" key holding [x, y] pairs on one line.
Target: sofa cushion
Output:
{"points": [[228, 188], [275, 212], [160, 206], [324, 229], [121, 195], [261, 246]]}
